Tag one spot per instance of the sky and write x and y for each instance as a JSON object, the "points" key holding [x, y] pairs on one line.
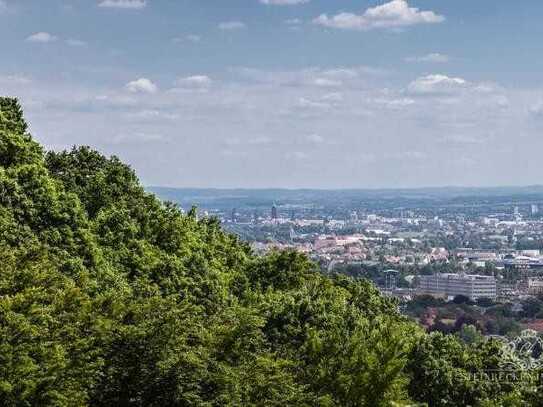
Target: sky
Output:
{"points": [[286, 93]]}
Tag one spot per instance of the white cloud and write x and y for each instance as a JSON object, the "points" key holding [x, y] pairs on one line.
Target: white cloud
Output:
{"points": [[293, 21], [195, 81], [305, 103], [136, 137], [284, 2], [394, 103], [315, 77], [15, 79], [234, 154], [41, 37], [537, 109], [141, 85], [193, 38], [315, 138], [232, 25], [258, 141], [432, 58], [188, 38], [75, 43], [342, 73], [151, 114], [437, 84], [463, 139], [296, 155], [327, 83], [273, 113], [406, 155], [124, 4], [395, 14], [332, 97]]}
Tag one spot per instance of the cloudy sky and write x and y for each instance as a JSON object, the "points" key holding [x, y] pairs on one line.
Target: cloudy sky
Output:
{"points": [[286, 93]]}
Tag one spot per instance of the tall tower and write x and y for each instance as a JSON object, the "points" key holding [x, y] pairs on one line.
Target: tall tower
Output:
{"points": [[274, 212]]}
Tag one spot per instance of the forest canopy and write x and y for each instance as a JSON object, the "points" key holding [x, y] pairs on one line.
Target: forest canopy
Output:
{"points": [[110, 297]]}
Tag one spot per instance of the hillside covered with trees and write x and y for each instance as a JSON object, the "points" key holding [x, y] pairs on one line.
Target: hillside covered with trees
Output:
{"points": [[110, 297]]}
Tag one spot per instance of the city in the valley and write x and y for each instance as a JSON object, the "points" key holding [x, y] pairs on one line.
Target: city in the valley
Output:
{"points": [[452, 256]]}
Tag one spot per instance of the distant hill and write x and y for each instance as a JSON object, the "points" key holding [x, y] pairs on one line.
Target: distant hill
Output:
{"points": [[227, 198]]}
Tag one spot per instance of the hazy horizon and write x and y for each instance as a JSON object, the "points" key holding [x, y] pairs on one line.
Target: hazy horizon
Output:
{"points": [[450, 187]]}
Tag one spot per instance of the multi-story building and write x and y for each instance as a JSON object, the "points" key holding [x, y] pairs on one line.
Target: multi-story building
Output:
{"points": [[449, 285], [274, 212]]}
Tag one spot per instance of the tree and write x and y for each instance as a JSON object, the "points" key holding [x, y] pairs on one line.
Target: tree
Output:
{"points": [[443, 372]]}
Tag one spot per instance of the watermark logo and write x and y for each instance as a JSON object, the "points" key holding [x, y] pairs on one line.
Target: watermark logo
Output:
{"points": [[519, 361], [525, 352]]}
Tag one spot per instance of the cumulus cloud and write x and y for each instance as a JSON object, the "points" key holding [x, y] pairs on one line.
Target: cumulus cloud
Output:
{"points": [[280, 114], [293, 21], [315, 138], [537, 109], [284, 2], [305, 103], [15, 79], [195, 81], [406, 155], [136, 137], [41, 37], [151, 114], [434, 57], [141, 85], [395, 15], [187, 38], [231, 25], [397, 103], [464, 139], [296, 155], [124, 4], [342, 73], [327, 83], [258, 141], [332, 97], [75, 43], [315, 77], [193, 38], [437, 84]]}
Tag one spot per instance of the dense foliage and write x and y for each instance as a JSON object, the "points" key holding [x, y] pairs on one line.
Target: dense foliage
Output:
{"points": [[109, 297]]}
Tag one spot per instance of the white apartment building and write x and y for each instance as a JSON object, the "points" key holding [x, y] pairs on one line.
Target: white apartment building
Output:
{"points": [[449, 285]]}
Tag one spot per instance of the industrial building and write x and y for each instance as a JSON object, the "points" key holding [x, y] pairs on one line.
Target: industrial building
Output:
{"points": [[451, 285]]}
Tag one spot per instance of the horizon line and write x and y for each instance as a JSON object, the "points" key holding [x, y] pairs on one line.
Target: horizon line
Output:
{"points": [[451, 187]]}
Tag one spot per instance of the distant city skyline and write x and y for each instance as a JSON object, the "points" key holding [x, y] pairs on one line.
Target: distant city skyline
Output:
{"points": [[285, 93]]}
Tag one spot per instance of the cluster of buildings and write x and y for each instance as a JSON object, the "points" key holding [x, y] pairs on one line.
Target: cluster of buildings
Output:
{"points": [[495, 250], [495, 255], [416, 240]]}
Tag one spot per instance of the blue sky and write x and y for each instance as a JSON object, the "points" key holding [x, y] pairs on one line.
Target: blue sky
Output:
{"points": [[286, 93]]}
